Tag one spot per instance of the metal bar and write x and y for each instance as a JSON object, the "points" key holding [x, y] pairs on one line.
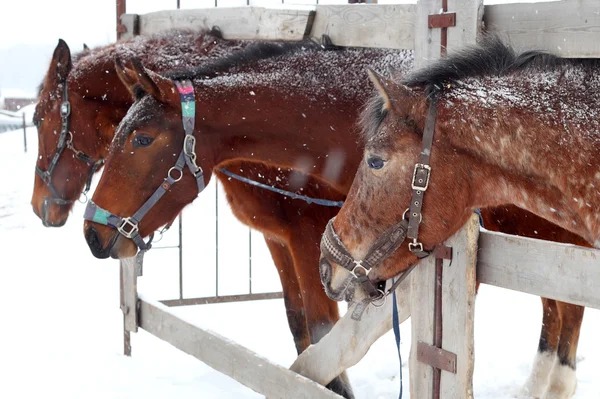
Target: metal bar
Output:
{"points": [[178, 4], [222, 299], [166, 247], [180, 256], [249, 260], [216, 237], [444, 41], [121, 9], [24, 132], [437, 325]]}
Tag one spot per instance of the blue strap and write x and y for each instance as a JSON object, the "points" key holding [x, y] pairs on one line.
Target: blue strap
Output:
{"points": [[478, 212], [282, 192], [396, 327]]}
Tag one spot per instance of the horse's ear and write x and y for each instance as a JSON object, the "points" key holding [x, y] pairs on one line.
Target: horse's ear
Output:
{"points": [[86, 49], [61, 65], [394, 95], [128, 77], [157, 86]]}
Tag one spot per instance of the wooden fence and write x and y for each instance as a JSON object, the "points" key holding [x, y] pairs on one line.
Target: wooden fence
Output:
{"points": [[568, 28]]}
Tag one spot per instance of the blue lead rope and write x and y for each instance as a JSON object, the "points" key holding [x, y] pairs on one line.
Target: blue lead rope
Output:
{"points": [[290, 194], [396, 327]]}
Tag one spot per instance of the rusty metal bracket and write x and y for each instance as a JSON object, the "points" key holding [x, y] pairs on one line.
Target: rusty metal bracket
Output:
{"points": [[446, 20], [437, 358], [443, 252]]}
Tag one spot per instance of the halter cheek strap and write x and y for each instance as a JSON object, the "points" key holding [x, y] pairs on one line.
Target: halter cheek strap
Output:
{"points": [[129, 226]]}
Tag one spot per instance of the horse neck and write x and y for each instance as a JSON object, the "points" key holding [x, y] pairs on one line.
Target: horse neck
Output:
{"points": [[539, 158], [313, 133]]}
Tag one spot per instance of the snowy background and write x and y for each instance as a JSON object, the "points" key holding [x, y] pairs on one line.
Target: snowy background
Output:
{"points": [[61, 331]]}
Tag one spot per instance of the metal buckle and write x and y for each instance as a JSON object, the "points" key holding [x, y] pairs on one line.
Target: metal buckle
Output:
{"points": [[358, 264], [415, 246], [126, 222], [420, 185], [65, 109], [180, 174]]}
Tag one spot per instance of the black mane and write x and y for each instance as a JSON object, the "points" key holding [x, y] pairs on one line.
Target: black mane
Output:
{"points": [[251, 53], [491, 57]]}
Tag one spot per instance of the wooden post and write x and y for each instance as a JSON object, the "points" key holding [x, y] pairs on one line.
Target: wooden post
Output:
{"points": [[458, 309], [129, 269], [24, 132]]}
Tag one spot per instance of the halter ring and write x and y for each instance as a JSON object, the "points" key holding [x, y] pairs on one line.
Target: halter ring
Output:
{"points": [[180, 174], [383, 298]]}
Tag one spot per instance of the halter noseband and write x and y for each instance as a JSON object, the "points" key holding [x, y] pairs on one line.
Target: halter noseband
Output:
{"points": [[129, 226], [65, 140], [333, 249]]}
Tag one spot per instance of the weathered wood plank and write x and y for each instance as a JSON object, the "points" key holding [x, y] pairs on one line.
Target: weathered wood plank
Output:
{"points": [[422, 318], [458, 310], [382, 26], [563, 272], [349, 340], [129, 273], [566, 28], [427, 41], [235, 22], [469, 21], [131, 23], [224, 355]]}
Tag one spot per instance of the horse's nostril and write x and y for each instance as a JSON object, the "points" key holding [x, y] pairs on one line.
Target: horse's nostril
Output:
{"points": [[325, 270], [93, 240]]}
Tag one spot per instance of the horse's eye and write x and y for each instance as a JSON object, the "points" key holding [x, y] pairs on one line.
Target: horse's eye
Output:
{"points": [[142, 141], [375, 162]]}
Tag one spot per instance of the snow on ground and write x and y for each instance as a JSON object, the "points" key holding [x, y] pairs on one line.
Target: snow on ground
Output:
{"points": [[61, 323]]}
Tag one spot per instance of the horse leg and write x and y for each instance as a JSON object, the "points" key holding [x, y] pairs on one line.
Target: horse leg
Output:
{"points": [[321, 312], [349, 341], [545, 358], [292, 297], [563, 379]]}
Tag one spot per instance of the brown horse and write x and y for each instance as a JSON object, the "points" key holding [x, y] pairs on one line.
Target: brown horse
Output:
{"points": [[249, 114], [510, 129], [96, 94], [97, 103]]}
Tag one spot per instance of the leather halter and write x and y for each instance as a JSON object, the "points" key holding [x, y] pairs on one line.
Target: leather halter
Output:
{"points": [[65, 141], [129, 226], [333, 249]]}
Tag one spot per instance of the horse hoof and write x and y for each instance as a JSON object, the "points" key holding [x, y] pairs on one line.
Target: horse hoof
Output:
{"points": [[341, 386]]}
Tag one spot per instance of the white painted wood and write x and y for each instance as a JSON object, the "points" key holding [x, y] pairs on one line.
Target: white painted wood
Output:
{"points": [[129, 273], [422, 305], [235, 22], [362, 25], [226, 356], [458, 310], [469, 21], [567, 28], [567, 273], [349, 340], [130, 21], [427, 41]]}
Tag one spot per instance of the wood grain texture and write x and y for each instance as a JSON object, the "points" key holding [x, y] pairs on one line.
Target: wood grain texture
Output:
{"points": [[569, 28], [422, 318], [382, 26], [458, 310], [129, 272], [563, 272], [226, 356], [235, 22]]}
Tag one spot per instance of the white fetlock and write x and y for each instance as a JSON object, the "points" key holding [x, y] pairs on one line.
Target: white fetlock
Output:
{"points": [[563, 382], [539, 379]]}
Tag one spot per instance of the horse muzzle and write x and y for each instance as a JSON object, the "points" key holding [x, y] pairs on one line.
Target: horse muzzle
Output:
{"points": [[53, 212]]}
